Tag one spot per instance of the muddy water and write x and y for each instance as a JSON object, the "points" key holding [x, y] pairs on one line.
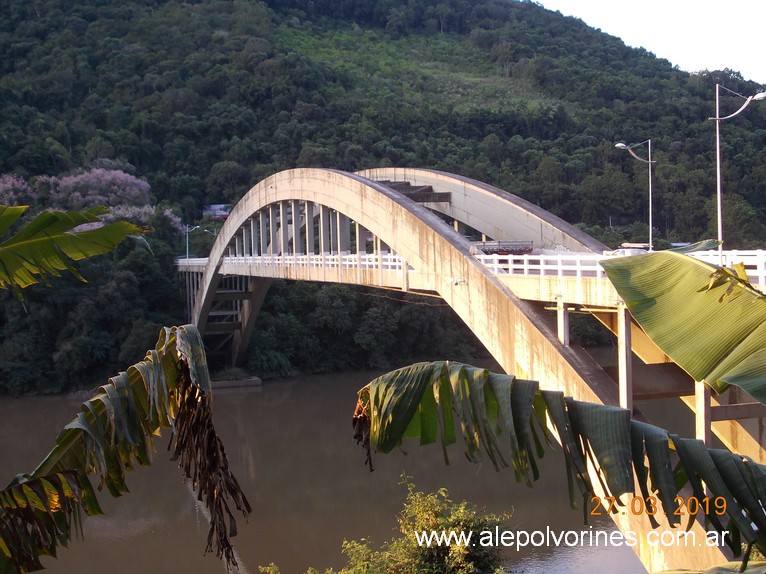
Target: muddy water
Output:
{"points": [[290, 445]]}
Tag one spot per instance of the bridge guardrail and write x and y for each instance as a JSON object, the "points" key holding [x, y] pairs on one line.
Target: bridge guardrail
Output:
{"points": [[388, 262], [565, 264]]}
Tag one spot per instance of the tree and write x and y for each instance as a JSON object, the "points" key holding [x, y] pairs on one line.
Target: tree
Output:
{"points": [[425, 512]]}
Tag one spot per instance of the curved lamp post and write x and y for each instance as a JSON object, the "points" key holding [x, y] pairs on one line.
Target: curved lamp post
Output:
{"points": [[629, 149], [718, 119]]}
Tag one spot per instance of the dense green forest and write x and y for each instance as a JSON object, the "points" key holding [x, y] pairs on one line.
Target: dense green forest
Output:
{"points": [[158, 107]]}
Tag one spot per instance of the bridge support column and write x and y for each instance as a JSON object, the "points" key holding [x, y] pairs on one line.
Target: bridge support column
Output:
{"points": [[702, 412], [562, 321], [308, 224], [284, 228], [344, 233], [257, 289], [298, 243], [263, 236], [361, 249], [325, 232], [273, 241], [379, 252], [624, 357]]}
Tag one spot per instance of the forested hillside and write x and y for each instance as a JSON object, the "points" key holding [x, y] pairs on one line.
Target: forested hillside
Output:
{"points": [[176, 105]]}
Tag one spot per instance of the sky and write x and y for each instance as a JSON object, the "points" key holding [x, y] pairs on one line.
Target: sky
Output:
{"points": [[694, 35]]}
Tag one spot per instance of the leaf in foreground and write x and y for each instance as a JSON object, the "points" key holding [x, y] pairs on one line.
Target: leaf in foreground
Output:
{"points": [[113, 431], [503, 418]]}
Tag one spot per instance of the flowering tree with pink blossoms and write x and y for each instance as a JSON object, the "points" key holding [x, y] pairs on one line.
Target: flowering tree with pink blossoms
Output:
{"points": [[109, 187]]}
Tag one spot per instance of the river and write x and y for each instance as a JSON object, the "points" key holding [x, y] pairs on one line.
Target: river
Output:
{"points": [[289, 444]]}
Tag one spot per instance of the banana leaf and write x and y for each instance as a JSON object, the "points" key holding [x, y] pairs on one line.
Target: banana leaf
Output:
{"points": [[422, 400], [709, 320], [113, 432], [49, 243]]}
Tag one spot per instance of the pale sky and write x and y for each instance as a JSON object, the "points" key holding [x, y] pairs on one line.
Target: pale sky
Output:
{"points": [[691, 34]]}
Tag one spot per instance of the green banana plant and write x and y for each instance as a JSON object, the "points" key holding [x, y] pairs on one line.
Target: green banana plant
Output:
{"points": [[113, 432], [505, 418], [50, 242], [710, 320]]}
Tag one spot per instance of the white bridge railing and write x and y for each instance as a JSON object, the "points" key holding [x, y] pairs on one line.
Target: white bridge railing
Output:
{"points": [[386, 261], [564, 264]]}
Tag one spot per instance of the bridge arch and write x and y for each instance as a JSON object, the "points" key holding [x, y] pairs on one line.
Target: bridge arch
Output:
{"points": [[263, 237], [438, 259], [488, 209]]}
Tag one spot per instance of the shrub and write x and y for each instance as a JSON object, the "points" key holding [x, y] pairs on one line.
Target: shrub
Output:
{"points": [[425, 512]]}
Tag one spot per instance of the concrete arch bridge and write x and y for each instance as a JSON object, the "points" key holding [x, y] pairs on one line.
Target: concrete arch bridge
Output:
{"points": [[405, 229]]}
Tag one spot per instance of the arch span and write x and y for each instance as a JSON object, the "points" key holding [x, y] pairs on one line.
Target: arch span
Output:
{"points": [[300, 211], [438, 260], [490, 210]]}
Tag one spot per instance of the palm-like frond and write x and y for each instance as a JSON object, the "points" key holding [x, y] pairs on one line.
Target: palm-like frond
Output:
{"points": [[709, 320], [503, 417], [112, 432], [49, 244]]}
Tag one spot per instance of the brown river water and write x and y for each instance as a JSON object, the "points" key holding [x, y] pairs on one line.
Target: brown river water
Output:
{"points": [[289, 444]]}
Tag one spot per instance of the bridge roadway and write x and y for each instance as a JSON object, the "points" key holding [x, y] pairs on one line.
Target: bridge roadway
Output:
{"points": [[405, 229]]}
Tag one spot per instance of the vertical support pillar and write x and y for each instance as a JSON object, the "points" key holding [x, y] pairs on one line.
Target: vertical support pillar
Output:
{"points": [[262, 232], [253, 238], [361, 249], [298, 243], [332, 230], [624, 358], [325, 237], [562, 321], [344, 233], [405, 275], [273, 228], [309, 226], [284, 229], [702, 413], [379, 254]]}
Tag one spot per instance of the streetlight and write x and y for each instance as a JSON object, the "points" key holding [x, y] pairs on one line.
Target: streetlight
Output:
{"points": [[629, 148], [718, 119], [188, 230]]}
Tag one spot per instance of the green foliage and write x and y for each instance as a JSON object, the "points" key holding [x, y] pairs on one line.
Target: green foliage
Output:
{"points": [[586, 331], [318, 328], [46, 245], [498, 416], [79, 331], [685, 305], [424, 512], [201, 100], [204, 99], [113, 432]]}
